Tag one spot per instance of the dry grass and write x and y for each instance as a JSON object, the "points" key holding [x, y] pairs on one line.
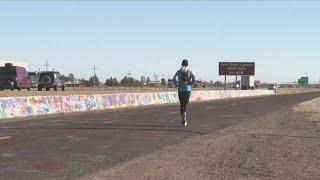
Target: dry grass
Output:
{"points": [[296, 90], [312, 107]]}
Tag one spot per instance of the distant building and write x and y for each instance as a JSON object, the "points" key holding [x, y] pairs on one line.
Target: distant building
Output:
{"points": [[75, 83], [170, 83], [143, 80], [154, 83], [14, 63]]}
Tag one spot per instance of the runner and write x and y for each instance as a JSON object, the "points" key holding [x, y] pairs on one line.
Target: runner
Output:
{"points": [[185, 80]]}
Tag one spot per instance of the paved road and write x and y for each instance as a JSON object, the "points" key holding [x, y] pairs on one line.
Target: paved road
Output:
{"points": [[71, 146]]}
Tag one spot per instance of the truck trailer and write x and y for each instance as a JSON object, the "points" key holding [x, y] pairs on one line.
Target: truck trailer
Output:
{"points": [[247, 82]]}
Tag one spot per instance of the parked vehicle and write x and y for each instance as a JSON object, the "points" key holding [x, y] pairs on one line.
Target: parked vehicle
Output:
{"points": [[199, 84], [235, 86], [14, 77], [170, 83], [50, 79], [273, 87], [34, 79]]}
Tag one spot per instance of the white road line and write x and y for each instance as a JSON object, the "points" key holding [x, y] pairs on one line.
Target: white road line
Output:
{"points": [[204, 125], [107, 122], [5, 137]]}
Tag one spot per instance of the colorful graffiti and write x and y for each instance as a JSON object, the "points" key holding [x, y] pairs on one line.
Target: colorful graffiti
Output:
{"points": [[41, 105]]}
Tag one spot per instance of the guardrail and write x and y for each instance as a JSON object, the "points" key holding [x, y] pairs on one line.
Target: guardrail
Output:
{"points": [[11, 107]]}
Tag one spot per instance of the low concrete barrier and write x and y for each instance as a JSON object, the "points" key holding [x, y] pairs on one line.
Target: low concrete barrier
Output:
{"points": [[42, 105]]}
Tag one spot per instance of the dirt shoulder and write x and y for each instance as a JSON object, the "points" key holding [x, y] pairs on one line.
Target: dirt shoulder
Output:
{"points": [[282, 145], [296, 90], [312, 108]]}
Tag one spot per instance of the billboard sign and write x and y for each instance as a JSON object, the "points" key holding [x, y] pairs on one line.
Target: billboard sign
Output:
{"points": [[237, 68]]}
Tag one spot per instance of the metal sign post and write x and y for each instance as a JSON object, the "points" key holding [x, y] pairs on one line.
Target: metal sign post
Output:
{"points": [[225, 82], [236, 82]]}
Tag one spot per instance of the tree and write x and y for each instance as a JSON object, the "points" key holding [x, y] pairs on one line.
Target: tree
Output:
{"points": [[112, 82], [94, 80], [137, 83], [218, 84], [115, 82], [109, 82], [148, 80], [163, 82], [124, 81], [71, 77], [64, 78], [129, 82]]}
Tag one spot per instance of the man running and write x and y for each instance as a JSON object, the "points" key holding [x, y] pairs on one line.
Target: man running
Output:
{"points": [[185, 80]]}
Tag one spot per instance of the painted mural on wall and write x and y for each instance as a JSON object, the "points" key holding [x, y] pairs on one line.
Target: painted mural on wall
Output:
{"points": [[40, 105]]}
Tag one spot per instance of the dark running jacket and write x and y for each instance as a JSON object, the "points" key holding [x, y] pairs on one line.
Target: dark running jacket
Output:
{"points": [[185, 85]]}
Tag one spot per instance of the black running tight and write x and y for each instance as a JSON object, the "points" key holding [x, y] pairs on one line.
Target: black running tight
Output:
{"points": [[184, 100]]}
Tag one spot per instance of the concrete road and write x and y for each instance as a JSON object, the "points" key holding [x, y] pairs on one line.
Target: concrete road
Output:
{"points": [[71, 146]]}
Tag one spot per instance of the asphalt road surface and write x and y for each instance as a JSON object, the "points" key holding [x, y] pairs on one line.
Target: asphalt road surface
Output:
{"points": [[74, 145]]}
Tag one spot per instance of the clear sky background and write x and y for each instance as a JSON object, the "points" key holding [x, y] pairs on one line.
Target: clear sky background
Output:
{"points": [[283, 38]]}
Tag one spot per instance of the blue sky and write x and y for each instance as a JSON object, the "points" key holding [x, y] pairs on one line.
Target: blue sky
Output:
{"points": [[144, 38]]}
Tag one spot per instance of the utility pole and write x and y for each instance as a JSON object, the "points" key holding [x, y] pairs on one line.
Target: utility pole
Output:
{"points": [[129, 74], [129, 77], [155, 76], [47, 65], [94, 75]]}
